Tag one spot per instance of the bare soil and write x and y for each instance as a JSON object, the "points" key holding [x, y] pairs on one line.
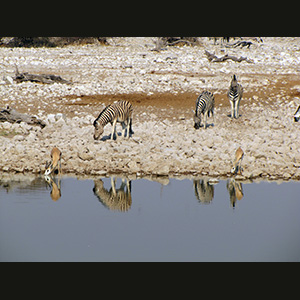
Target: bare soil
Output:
{"points": [[163, 88]]}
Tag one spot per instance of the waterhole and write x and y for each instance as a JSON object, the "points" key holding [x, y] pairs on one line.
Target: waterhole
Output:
{"points": [[116, 219]]}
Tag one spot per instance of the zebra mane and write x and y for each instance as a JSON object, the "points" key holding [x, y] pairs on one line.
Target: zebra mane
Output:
{"points": [[102, 112], [234, 83]]}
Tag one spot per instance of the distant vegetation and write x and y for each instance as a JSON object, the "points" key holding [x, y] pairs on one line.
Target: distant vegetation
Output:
{"points": [[29, 42], [49, 41]]}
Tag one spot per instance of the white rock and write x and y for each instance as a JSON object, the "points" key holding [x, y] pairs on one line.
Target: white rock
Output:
{"points": [[6, 125], [59, 116], [8, 79], [51, 118], [18, 138]]}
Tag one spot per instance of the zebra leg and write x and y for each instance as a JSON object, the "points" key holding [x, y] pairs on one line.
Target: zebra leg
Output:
{"points": [[123, 129], [126, 126], [113, 185], [213, 115], [232, 109], [114, 130], [236, 109], [205, 119], [130, 126]]}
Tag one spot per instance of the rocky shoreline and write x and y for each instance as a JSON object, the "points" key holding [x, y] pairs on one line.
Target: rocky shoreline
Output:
{"points": [[163, 87]]}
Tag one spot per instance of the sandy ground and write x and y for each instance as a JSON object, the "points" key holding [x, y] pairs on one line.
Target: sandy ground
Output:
{"points": [[163, 88]]}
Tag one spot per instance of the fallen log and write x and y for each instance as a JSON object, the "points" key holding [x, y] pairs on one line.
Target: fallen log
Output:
{"points": [[12, 116], [213, 58], [42, 78]]}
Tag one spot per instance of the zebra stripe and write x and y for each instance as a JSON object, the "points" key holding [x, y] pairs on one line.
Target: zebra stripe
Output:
{"points": [[205, 104], [235, 94], [297, 114], [120, 112]]}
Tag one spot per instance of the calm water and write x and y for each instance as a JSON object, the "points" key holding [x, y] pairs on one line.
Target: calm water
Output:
{"points": [[184, 220]]}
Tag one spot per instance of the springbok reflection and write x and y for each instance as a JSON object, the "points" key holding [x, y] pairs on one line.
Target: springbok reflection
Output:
{"points": [[204, 191], [235, 189], [114, 199], [55, 193]]}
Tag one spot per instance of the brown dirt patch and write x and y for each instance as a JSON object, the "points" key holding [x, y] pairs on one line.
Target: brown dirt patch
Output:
{"points": [[283, 86], [164, 105]]}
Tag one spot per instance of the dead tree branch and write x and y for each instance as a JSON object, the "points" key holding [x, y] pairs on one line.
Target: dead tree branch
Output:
{"points": [[12, 116], [41, 78], [213, 58]]}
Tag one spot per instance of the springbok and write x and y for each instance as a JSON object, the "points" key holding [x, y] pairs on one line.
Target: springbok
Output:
{"points": [[55, 164], [236, 165], [55, 193], [235, 190]]}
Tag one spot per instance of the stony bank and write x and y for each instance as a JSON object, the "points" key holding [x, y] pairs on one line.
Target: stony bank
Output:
{"points": [[163, 87]]}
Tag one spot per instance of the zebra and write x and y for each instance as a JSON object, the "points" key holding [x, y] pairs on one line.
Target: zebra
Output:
{"points": [[114, 199], [204, 191], [297, 114], [120, 112], [235, 94], [204, 105]]}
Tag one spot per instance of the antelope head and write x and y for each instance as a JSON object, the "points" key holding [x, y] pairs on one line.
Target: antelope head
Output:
{"points": [[47, 167]]}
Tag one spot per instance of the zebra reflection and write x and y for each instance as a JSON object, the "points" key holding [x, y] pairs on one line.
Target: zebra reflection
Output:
{"points": [[204, 191], [235, 189], [114, 199]]}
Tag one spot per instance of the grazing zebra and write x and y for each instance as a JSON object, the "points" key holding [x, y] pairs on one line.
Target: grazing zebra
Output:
{"points": [[235, 94], [297, 114], [120, 112], [204, 105]]}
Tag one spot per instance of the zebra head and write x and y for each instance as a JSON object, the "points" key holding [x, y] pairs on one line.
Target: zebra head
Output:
{"points": [[197, 121], [98, 130]]}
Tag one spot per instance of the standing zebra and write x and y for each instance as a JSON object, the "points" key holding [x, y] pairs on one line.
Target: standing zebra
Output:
{"points": [[235, 94], [120, 112], [204, 105]]}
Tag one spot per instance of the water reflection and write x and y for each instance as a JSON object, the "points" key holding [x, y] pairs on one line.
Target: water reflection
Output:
{"points": [[191, 220], [119, 199], [22, 184], [55, 186], [204, 191], [235, 190], [114, 199]]}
